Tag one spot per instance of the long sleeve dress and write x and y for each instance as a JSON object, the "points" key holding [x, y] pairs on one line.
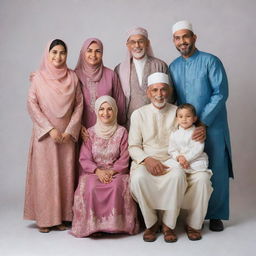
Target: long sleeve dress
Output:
{"points": [[98, 206], [50, 174]]}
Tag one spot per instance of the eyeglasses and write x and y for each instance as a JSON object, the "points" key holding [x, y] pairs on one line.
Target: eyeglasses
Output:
{"points": [[140, 42]]}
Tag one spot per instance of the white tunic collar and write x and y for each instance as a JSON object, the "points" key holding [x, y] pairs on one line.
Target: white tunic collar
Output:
{"points": [[188, 129], [139, 66], [159, 111]]}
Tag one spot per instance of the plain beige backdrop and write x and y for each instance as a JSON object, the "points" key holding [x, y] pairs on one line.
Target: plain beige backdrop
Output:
{"points": [[225, 28]]}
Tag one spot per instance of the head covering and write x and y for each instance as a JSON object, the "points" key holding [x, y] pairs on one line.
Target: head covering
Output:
{"points": [[56, 86], [85, 70], [125, 67], [158, 77], [183, 24], [137, 31], [105, 130]]}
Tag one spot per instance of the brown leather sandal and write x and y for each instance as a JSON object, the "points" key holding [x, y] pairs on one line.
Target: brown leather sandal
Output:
{"points": [[44, 229], [193, 234], [150, 233], [169, 235], [61, 227]]}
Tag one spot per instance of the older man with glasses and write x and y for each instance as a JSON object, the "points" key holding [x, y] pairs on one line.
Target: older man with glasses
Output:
{"points": [[135, 69]]}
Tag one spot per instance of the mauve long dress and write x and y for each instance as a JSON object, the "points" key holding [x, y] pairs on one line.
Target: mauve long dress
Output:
{"points": [[50, 175], [104, 207], [109, 84]]}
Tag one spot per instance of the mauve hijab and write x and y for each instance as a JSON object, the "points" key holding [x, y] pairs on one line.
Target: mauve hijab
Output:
{"points": [[57, 86], [85, 70]]}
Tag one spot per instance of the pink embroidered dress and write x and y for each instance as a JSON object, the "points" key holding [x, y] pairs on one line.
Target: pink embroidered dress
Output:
{"points": [[100, 207], [54, 101]]}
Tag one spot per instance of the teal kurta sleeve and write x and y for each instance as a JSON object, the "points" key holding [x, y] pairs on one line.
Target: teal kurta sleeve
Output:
{"points": [[219, 84]]}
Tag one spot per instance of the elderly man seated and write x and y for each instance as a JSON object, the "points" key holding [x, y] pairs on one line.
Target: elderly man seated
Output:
{"points": [[159, 190]]}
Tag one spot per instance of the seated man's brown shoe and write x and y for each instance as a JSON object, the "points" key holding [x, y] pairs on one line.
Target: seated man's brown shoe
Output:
{"points": [[169, 235], [150, 233], [193, 234]]}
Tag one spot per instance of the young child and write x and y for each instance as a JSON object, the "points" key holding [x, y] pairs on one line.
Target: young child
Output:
{"points": [[186, 153]]}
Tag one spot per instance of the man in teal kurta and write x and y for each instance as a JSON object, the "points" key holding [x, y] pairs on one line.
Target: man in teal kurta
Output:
{"points": [[200, 79]]}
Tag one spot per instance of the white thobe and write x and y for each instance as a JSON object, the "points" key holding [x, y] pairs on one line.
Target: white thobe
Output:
{"points": [[148, 137]]}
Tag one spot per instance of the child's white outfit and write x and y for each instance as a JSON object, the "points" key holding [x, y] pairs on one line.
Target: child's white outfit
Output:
{"points": [[181, 143]]}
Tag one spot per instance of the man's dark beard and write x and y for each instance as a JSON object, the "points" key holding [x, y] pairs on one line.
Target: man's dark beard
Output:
{"points": [[186, 52]]}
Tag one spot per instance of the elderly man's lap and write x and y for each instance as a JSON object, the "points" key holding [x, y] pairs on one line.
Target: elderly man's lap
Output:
{"points": [[141, 177], [155, 193]]}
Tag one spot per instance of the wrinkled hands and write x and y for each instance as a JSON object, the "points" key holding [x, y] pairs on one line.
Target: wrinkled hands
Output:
{"points": [[183, 162], [60, 137], [105, 176], [199, 133], [155, 167]]}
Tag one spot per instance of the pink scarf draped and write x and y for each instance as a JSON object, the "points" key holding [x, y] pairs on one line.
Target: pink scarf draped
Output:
{"points": [[85, 70], [57, 86], [105, 130], [125, 66]]}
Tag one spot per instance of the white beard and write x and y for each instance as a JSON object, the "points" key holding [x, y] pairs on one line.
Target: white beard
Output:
{"points": [[159, 105], [138, 55]]}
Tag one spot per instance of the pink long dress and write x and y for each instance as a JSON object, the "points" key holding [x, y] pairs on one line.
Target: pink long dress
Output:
{"points": [[104, 207], [109, 84], [96, 81], [50, 175]]}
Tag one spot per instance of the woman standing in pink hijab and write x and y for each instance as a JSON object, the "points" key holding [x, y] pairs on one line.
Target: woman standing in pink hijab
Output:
{"points": [[55, 105], [103, 202], [97, 80]]}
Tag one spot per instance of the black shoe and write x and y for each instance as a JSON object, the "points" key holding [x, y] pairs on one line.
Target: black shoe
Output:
{"points": [[216, 225]]}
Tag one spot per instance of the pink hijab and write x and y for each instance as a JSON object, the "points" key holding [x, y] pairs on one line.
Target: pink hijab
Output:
{"points": [[125, 67], [85, 70], [56, 86], [105, 130]]}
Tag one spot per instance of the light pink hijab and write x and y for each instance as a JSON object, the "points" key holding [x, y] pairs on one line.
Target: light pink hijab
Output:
{"points": [[57, 86], [85, 70], [125, 67], [105, 130]]}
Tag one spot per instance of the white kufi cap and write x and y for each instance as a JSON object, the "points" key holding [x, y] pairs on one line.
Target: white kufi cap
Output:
{"points": [[183, 24], [157, 78]]}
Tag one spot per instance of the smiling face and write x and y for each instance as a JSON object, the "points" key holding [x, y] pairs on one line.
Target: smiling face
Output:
{"points": [[158, 94], [93, 54], [184, 41], [106, 113], [57, 56], [137, 45], [185, 118]]}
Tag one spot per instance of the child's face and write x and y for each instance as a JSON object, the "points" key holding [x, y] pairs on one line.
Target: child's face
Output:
{"points": [[185, 118]]}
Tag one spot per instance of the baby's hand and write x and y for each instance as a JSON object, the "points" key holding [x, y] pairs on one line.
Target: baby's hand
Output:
{"points": [[183, 162]]}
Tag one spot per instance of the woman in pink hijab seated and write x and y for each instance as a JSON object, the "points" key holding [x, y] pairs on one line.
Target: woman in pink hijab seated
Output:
{"points": [[102, 199], [97, 80], [55, 105]]}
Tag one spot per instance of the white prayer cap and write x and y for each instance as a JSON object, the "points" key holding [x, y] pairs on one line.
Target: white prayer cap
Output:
{"points": [[157, 78], [183, 24]]}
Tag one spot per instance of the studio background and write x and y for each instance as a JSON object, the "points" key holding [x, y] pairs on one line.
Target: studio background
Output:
{"points": [[224, 28]]}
